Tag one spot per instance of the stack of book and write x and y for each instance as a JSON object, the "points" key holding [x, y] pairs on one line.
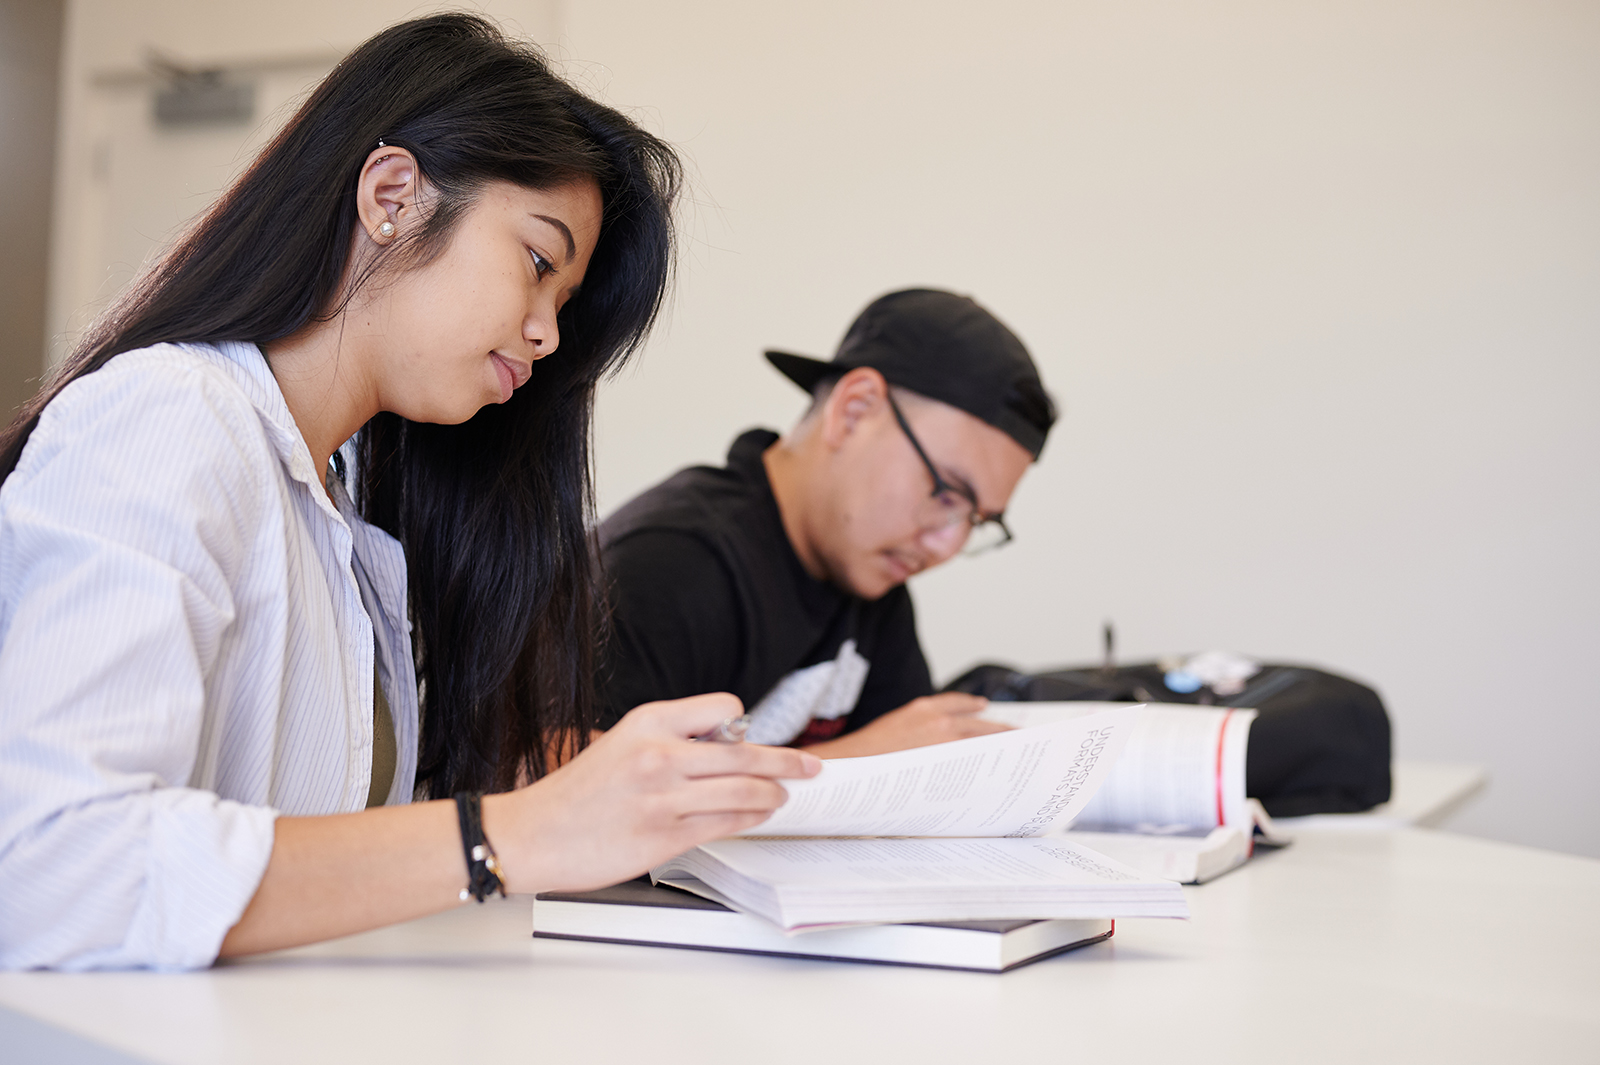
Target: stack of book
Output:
{"points": [[952, 855], [656, 915]]}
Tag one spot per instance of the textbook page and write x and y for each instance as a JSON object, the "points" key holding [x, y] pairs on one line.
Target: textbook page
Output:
{"points": [[801, 883], [865, 865], [1026, 782], [1184, 765]]}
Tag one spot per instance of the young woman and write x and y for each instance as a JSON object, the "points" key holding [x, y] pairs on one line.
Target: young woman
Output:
{"points": [[223, 677]]}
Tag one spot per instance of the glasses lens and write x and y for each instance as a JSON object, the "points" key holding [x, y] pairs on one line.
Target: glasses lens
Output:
{"points": [[952, 507], [985, 536]]}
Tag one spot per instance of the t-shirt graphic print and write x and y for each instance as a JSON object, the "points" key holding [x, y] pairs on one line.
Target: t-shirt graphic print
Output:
{"points": [[826, 691]]}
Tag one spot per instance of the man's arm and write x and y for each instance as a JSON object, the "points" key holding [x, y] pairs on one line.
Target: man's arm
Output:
{"points": [[898, 708], [921, 722]]}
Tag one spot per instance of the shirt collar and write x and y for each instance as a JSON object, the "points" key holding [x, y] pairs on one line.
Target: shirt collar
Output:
{"points": [[744, 455], [246, 364]]}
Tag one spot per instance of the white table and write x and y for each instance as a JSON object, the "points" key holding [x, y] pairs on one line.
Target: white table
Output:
{"points": [[1393, 945]]}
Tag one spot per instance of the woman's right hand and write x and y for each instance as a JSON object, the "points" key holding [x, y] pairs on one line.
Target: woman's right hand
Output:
{"points": [[640, 794]]}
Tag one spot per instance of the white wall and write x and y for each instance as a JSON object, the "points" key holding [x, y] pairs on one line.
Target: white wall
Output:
{"points": [[30, 57], [1315, 282]]}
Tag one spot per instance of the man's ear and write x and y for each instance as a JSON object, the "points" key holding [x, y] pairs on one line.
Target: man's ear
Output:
{"points": [[387, 193], [857, 397]]}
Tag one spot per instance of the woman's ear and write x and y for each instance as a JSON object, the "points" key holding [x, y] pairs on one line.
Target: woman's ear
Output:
{"points": [[858, 395], [386, 194]]}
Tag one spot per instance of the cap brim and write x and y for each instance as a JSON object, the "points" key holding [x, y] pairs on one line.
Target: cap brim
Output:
{"points": [[801, 369]]}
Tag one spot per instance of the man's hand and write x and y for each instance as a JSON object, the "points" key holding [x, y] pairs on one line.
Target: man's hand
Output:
{"points": [[928, 720]]}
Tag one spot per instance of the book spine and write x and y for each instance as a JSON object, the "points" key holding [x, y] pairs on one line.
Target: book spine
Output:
{"points": [[1222, 739]]}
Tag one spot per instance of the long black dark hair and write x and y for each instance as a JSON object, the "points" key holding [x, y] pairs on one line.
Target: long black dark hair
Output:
{"points": [[494, 513]]}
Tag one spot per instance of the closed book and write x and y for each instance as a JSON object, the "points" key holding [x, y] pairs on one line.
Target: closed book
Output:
{"points": [[638, 912]]}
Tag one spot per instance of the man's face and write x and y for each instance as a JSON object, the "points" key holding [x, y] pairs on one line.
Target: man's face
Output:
{"points": [[879, 523]]}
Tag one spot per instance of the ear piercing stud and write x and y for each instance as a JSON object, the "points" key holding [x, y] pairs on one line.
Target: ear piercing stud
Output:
{"points": [[386, 230]]}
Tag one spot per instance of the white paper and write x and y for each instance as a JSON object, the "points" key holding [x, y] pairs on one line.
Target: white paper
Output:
{"points": [[1026, 782], [908, 864], [695, 886], [800, 883], [1184, 765], [1185, 858]]}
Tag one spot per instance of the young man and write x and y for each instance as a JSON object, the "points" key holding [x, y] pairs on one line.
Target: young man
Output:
{"points": [[781, 576]]}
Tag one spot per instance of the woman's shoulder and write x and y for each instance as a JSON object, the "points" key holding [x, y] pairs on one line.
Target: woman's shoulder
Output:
{"points": [[184, 403], [197, 373], [168, 390]]}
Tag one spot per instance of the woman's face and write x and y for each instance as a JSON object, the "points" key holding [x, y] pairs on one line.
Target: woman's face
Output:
{"points": [[465, 329]]}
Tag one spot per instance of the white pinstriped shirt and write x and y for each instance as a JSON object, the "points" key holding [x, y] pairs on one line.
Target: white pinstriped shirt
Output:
{"points": [[185, 653]]}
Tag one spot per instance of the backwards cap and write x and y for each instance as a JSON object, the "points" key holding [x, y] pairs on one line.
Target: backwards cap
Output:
{"points": [[945, 347]]}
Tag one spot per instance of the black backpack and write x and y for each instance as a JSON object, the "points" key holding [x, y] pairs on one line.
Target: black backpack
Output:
{"points": [[1320, 742]]}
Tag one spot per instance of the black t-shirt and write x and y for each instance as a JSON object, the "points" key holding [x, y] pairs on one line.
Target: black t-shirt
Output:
{"points": [[708, 595]]}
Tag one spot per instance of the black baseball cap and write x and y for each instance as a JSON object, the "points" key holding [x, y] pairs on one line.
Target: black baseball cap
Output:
{"points": [[945, 347]]}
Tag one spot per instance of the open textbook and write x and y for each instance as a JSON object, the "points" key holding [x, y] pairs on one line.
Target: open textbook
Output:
{"points": [[1174, 804], [983, 817]]}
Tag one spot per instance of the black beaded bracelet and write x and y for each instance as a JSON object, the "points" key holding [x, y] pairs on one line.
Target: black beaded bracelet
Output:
{"points": [[483, 865]]}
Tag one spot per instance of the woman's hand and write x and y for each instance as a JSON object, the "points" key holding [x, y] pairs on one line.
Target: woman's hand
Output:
{"points": [[641, 793]]}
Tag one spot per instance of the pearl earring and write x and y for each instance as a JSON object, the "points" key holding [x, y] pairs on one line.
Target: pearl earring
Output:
{"points": [[386, 230]]}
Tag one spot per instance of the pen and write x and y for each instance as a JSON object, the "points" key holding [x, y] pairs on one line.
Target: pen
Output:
{"points": [[731, 730]]}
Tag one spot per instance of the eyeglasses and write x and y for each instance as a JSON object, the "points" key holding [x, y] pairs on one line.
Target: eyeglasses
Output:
{"points": [[955, 506]]}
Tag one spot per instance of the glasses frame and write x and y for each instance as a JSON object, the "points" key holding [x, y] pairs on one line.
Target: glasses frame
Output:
{"points": [[976, 518]]}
